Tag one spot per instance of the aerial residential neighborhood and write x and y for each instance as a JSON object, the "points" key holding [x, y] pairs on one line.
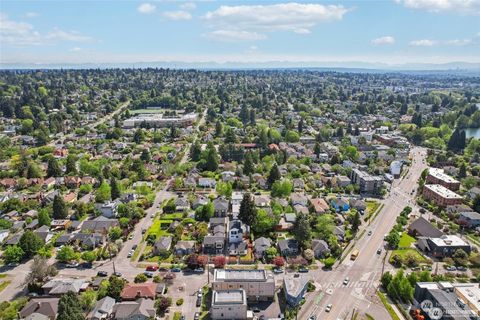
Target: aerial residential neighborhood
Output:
{"points": [[222, 160]]}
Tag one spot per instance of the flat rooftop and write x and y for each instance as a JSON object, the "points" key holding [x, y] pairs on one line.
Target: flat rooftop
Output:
{"points": [[294, 284], [442, 191], [441, 175], [222, 275], [222, 297], [470, 294], [449, 240]]}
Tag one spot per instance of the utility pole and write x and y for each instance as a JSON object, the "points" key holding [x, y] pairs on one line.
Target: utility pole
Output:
{"points": [[109, 250]]}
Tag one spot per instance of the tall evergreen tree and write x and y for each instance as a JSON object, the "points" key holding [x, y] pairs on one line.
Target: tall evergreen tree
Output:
{"points": [[69, 307], [302, 230], [212, 158], [300, 125], [53, 169], [71, 165], [218, 128], [195, 151], [274, 175], [247, 212], [248, 168], [60, 210], [114, 189]]}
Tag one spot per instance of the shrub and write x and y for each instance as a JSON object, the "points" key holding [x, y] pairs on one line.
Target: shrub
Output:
{"points": [[179, 302]]}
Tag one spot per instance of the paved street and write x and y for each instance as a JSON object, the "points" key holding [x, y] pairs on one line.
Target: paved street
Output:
{"points": [[365, 272]]}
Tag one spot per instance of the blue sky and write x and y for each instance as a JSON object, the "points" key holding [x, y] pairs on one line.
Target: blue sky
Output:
{"points": [[389, 31]]}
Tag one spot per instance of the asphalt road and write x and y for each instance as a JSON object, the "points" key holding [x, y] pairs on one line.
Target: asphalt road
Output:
{"points": [[364, 273]]}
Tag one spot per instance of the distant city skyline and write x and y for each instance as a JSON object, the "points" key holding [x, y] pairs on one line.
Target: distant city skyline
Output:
{"points": [[348, 33]]}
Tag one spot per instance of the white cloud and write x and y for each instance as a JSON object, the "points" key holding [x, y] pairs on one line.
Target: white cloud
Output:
{"points": [[423, 43], [465, 7], [31, 14], [21, 34], [177, 15], [234, 35], [75, 49], [295, 17], [188, 6], [383, 40], [459, 42], [146, 8]]}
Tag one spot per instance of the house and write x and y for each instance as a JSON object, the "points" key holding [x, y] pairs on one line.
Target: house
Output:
{"points": [[44, 233], [339, 231], [295, 287], [470, 219], [99, 224], [162, 245], [358, 204], [473, 192], [422, 228], [103, 309], [298, 208], [288, 247], [133, 291], [236, 231], [221, 207], [108, 209], [183, 247], [60, 286], [199, 201], [319, 205], [259, 284], [261, 201], [237, 248], [444, 246], [214, 242], [299, 198], [261, 245], [47, 307], [88, 240], [341, 181], [229, 305], [182, 204], [340, 204], [142, 309], [3, 235], [320, 248], [207, 183]]}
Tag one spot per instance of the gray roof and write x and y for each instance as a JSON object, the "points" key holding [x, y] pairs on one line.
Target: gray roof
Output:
{"points": [[470, 215], [103, 308], [294, 284], [164, 243], [144, 307], [288, 244], [424, 228]]}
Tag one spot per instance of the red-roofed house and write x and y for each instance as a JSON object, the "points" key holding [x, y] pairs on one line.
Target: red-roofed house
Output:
{"points": [[133, 291], [319, 205]]}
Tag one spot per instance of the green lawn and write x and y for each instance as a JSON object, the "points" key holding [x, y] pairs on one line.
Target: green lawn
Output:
{"points": [[406, 241], [372, 206], [387, 306], [3, 285], [160, 228], [172, 216], [404, 252]]}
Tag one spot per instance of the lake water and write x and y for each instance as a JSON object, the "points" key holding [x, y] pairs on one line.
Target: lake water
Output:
{"points": [[472, 132]]}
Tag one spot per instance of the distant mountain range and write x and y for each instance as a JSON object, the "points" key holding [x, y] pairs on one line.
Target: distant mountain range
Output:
{"points": [[352, 66]]}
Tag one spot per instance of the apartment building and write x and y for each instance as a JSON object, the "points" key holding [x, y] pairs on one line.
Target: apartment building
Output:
{"points": [[366, 182], [440, 195], [158, 120], [259, 285], [438, 176], [229, 304]]}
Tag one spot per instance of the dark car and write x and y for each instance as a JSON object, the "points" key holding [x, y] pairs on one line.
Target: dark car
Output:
{"points": [[176, 270], [102, 273], [199, 302], [117, 274], [148, 274]]}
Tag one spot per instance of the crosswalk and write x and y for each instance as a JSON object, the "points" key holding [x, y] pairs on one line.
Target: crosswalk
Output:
{"points": [[351, 284]]}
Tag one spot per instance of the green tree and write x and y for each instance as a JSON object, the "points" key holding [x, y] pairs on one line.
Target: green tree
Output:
{"points": [[114, 189], [140, 278], [67, 254], [264, 222], [205, 212], [393, 239], [60, 210], [71, 165], [282, 188], [224, 189], [325, 226], [302, 230], [247, 212], [274, 175], [476, 203], [248, 168], [115, 287], [69, 308], [115, 233], [87, 299], [44, 218], [218, 128], [89, 256], [13, 254], [292, 136], [386, 279], [211, 159], [139, 136], [103, 192], [53, 168], [195, 151], [356, 221], [30, 243]]}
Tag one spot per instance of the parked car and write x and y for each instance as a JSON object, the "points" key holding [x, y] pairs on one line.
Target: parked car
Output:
{"points": [[255, 309], [176, 269], [461, 268], [163, 269], [151, 268], [303, 270], [369, 233], [102, 274], [149, 274], [329, 307], [117, 274], [199, 270], [429, 268], [130, 254], [314, 317], [134, 247], [277, 270], [199, 293], [346, 281], [379, 250], [199, 302], [130, 237], [451, 268], [197, 316], [72, 265]]}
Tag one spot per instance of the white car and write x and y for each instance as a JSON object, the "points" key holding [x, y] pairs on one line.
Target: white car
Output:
{"points": [[329, 307], [346, 281]]}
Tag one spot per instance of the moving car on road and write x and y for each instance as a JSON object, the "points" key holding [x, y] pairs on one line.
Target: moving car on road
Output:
{"points": [[354, 254], [329, 307]]}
